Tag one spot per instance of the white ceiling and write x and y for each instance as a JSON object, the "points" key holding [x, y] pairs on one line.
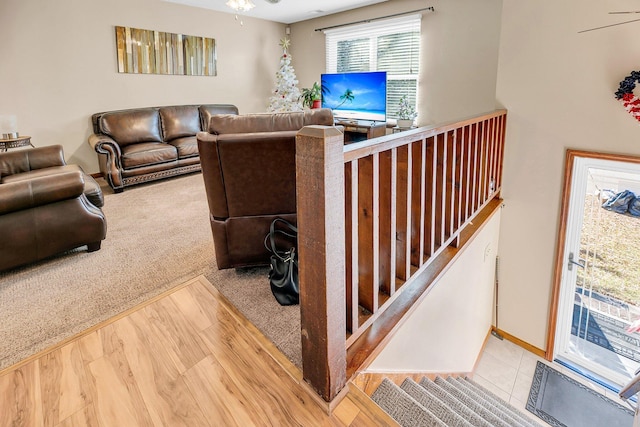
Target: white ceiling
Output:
{"points": [[285, 11]]}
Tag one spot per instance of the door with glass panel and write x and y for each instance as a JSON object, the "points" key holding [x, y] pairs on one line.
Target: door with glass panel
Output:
{"points": [[597, 290]]}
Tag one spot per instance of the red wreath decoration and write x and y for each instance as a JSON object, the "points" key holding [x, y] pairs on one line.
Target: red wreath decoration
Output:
{"points": [[625, 94], [632, 105]]}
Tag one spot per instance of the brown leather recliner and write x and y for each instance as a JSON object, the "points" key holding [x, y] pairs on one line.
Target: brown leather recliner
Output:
{"points": [[249, 170], [46, 206]]}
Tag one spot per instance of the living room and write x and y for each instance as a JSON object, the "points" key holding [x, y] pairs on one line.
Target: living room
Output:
{"points": [[527, 57], [247, 60]]}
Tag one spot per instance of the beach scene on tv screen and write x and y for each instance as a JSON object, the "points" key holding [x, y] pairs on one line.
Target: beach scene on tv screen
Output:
{"points": [[357, 96]]}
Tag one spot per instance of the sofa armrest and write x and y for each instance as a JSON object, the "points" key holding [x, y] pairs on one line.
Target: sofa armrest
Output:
{"points": [[19, 195], [212, 175], [104, 144], [110, 159]]}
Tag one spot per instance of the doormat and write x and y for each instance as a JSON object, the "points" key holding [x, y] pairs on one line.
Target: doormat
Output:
{"points": [[564, 402]]}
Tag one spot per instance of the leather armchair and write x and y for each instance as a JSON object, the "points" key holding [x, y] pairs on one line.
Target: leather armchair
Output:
{"points": [[249, 171], [46, 206]]}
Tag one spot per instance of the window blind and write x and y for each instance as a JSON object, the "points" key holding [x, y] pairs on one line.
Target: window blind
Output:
{"points": [[391, 45]]}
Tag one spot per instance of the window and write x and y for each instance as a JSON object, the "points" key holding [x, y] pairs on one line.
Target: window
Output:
{"points": [[392, 45]]}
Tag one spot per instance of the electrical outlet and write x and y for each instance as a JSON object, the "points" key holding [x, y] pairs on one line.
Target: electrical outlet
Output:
{"points": [[487, 251]]}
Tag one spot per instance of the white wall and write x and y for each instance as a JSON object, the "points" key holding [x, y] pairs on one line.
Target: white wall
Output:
{"points": [[59, 65], [558, 86], [459, 53], [447, 330]]}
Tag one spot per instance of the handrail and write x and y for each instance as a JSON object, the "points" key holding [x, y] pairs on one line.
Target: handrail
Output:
{"points": [[374, 218], [365, 148]]}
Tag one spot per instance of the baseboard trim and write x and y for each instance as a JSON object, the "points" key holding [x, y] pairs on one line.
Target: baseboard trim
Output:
{"points": [[533, 349]]}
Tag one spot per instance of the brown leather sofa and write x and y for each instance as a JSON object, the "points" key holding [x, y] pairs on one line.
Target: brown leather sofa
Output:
{"points": [[46, 206], [146, 144], [249, 171]]}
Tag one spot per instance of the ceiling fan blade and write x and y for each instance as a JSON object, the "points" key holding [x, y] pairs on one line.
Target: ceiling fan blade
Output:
{"points": [[621, 13], [272, 1], [607, 26]]}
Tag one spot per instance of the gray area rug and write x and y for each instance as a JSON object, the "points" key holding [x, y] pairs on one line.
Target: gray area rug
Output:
{"points": [[158, 236], [562, 401]]}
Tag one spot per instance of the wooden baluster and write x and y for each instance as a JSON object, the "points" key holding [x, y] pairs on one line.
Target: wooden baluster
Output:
{"points": [[367, 286], [503, 130], [476, 169], [386, 216], [483, 158], [416, 197], [352, 323], [321, 230], [449, 218], [400, 203], [408, 212], [440, 181], [432, 164], [355, 249], [423, 191]]}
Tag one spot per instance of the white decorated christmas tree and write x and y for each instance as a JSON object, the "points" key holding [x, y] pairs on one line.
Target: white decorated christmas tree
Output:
{"points": [[286, 95]]}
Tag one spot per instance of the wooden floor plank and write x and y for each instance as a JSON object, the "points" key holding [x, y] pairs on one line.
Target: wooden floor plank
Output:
{"points": [[206, 381], [187, 348], [187, 358], [20, 397], [187, 301], [64, 385], [90, 346], [86, 417], [115, 393], [161, 385], [282, 399]]}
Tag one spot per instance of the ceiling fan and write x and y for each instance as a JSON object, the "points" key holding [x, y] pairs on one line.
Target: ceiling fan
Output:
{"points": [[611, 25], [245, 5]]}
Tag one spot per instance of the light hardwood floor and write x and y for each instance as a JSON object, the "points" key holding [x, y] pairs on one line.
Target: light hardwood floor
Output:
{"points": [[185, 358]]}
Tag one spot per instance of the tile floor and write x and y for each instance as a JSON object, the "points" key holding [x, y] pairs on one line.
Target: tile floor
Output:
{"points": [[507, 370]]}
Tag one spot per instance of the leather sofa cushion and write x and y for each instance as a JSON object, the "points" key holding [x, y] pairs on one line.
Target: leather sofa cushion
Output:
{"points": [[187, 146], [131, 127], [252, 123], [318, 116], [179, 121], [19, 161], [147, 153], [272, 122], [37, 173]]}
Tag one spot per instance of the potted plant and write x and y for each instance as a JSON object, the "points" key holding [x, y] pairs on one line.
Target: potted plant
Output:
{"points": [[406, 113], [311, 96]]}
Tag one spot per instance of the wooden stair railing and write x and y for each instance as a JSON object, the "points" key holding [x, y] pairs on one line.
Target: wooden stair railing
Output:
{"points": [[373, 218]]}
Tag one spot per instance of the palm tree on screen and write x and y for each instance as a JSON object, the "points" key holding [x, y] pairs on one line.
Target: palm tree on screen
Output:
{"points": [[347, 96]]}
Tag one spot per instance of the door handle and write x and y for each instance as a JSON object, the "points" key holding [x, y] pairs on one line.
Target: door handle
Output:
{"points": [[580, 263]]}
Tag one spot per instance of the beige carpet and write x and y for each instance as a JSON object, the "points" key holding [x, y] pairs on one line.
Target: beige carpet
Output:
{"points": [[158, 236]]}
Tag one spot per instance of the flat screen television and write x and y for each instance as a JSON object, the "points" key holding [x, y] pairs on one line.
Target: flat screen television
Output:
{"points": [[356, 96]]}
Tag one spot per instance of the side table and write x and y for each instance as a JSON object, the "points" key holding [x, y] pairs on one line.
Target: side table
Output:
{"points": [[21, 141]]}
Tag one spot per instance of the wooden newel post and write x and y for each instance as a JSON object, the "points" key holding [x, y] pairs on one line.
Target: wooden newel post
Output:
{"points": [[321, 251]]}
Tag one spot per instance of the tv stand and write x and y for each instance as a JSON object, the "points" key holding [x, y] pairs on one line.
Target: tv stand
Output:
{"points": [[360, 130]]}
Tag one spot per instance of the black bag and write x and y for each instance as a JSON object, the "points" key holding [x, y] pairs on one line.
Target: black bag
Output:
{"points": [[283, 274]]}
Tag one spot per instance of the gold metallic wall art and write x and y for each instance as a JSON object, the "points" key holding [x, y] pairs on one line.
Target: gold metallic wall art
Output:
{"points": [[156, 52]]}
